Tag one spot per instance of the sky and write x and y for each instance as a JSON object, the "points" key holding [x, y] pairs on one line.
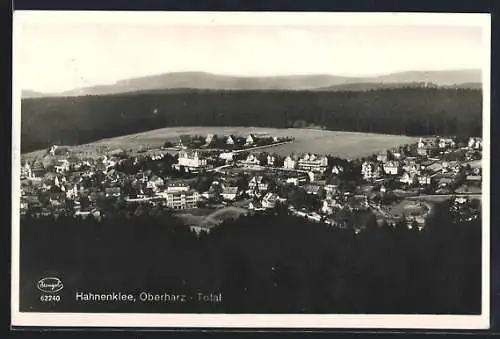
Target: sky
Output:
{"points": [[57, 55]]}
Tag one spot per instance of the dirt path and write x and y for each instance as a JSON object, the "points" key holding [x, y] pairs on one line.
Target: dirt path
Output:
{"points": [[212, 219]]}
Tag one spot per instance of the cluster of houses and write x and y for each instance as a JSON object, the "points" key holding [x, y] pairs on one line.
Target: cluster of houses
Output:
{"points": [[85, 182], [308, 162], [268, 201], [462, 209], [59, 178], [422, 169], [231, 140]]}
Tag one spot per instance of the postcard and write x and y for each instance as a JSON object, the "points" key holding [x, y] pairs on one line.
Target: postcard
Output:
{"points": [[251, 170]]}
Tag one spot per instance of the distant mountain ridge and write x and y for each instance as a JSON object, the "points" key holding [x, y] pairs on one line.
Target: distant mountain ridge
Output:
{"points": [[322, 82], [32, 94]]}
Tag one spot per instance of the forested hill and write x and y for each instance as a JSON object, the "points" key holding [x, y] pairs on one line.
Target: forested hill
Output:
{"points": [[210, 81], [409, 111]]}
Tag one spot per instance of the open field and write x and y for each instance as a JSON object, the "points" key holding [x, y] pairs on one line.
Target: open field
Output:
{"points": [[190, 219], [208, 218], [219, 216], [342, 144], [408, 208]]}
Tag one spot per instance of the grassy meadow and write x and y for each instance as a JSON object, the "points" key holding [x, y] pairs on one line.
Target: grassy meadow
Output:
{"points": [[342, 144]]}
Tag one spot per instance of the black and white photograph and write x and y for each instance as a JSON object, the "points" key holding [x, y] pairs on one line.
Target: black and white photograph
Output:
{"points": [[251, 170]]}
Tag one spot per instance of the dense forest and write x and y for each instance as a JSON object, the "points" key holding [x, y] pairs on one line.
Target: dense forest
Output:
{"points": [[261, 264], [409, 111]]}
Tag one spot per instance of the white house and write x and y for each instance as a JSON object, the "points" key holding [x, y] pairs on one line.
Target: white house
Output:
{"points": [[369, 170], [391, 168], [142, 177], [396, 153], [411, 167], [421, 143], [230, 192], [72, 193], [24, 205], [407, 178], [26, 171], [366, 170], [269, 200], [251, 160], [53, 149], [157, 156], [423, 147], [228, 156], [112, 191], [270, 160], [250, 140], [155, 183], [331, 189], [337, 169], [208, 194], [256, 206], [209, 139], [191, 161], [446, 143], [298, 180], [475, 143], [312, 189], [312, 176], [181, 200], [151, 185], [158, 181], [312, 162], [229, 140], [56, 181], [451, 166], [327, 207], [177, 187], [180, 144], [62, 166], [424, 180], [314, 217], [289, 163], [258, 183], [471, 142], [108, 162]]}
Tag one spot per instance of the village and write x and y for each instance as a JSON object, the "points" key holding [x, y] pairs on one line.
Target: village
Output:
{"points": [[207, 179]]}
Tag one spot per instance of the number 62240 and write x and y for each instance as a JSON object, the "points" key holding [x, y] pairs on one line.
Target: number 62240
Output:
{"points": [[49, 298]]}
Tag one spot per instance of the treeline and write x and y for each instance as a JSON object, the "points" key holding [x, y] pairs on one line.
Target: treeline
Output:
{"points": [[260, 264], [409, 111]]}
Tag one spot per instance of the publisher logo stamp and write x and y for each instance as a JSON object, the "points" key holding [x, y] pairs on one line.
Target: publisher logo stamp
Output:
{"points": [[50, 285]]}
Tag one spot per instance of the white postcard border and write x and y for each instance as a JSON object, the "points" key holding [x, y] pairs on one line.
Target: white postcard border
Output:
{"points": [[362, 321]]}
